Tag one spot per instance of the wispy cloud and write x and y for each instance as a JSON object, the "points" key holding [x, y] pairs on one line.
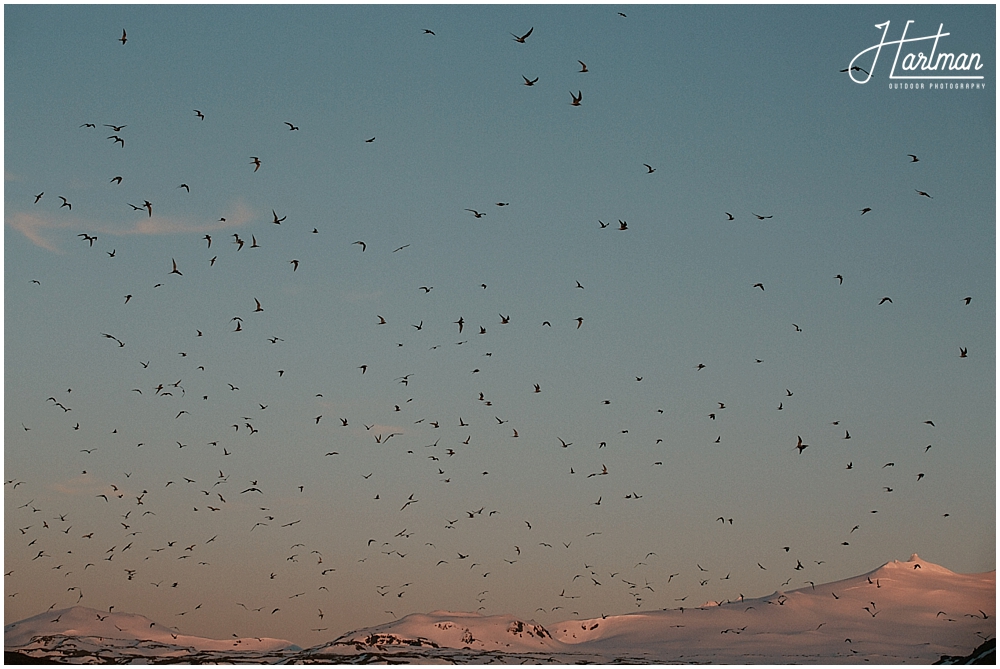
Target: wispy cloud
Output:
{"points": [[34, 226], [160, 225], [37, 227], [84, 485]]}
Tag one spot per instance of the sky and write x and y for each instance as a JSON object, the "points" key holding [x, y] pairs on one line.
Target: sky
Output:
{"points": [[418, 180]]}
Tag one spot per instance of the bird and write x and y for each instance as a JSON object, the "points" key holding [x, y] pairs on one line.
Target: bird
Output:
{"points": [[255, 161], [185, 187], [290, 126], [731, 217], [579, 322], [576, 98], [200, 115], [362, 244], [294, 264], [856, 68], [865, 210], [913, 158], [522, 37], [649, 168], [761, 218], [840, 278], [39, 197], [66, 204], [429, 32], [123, 38], [529, 82], [920, 192], [175, 270], [583, 66], [149, 207], [476, 213], [885, 299], [277, 221], [369, 141], [801, 446], [117, 180], [759, 285], [963, 352], [967, 299]]}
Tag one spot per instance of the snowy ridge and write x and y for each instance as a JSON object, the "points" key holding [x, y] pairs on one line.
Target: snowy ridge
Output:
{"points": [[82, 632], [909, 611]]}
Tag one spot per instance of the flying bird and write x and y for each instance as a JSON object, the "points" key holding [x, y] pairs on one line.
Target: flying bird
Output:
{"points": [[576, 98], [522, 37], [529, 82], [200, 115], [175, 270], [583, 66], [649, 168], [801, 446], [290, 126], [856, 68], [920, 192], [255, 161], [914, 159], [123, 38]]}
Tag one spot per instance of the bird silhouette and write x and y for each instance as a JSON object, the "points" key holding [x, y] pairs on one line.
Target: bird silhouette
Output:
{"points": [[522, 37]]}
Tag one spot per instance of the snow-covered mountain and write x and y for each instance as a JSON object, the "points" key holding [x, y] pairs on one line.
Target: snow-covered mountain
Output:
{"points": [[902, 612], [84, 634]]}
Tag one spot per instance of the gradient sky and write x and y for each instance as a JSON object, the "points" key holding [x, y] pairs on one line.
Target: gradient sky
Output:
{"points": [[738, 109]]}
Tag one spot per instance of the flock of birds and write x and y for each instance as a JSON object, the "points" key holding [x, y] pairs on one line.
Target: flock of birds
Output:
{"points": [[73, 544]]}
